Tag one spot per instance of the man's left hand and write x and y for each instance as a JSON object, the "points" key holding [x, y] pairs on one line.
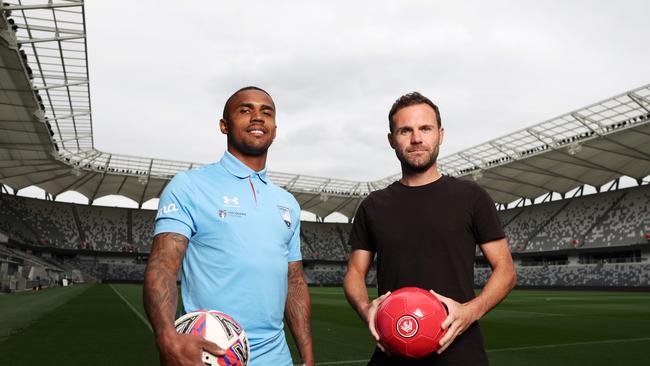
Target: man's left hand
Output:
{"points": [[460, 317]]}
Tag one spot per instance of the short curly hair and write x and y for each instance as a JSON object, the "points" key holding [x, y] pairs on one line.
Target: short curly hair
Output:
{"points": [[408, 100], [225, 114]]}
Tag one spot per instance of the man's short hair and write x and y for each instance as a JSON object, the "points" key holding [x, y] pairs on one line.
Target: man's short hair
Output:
{"points": [[225, 106], [408, 100]]}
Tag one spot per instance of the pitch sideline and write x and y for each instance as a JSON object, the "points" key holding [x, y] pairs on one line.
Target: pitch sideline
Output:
{"points": [[510, 349], [132, 308]]}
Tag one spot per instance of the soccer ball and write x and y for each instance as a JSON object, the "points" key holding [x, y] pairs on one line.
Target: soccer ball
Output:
{"points": [[218, 328], [408, 322]]}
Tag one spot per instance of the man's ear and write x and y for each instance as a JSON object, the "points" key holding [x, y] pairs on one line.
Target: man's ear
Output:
{"points": [[390, 140], [223, 126]]}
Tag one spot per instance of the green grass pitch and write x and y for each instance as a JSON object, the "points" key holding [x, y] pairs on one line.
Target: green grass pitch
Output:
{"points": [[105, 325]]}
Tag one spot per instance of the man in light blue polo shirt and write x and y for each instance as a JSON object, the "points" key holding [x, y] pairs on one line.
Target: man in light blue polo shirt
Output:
{"points": [[237, 237]]}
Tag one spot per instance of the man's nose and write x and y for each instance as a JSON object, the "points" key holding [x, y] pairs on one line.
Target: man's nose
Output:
{"points": [[416, 137], [257, 117]]}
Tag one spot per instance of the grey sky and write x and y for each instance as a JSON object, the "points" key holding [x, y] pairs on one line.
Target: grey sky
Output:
{"points": [[161, 71]]}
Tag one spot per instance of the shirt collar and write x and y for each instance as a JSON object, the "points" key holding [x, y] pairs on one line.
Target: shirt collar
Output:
{"points": [[239, 169]]}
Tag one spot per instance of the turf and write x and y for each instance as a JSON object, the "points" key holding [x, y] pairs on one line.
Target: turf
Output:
{"points": [[104, 325]]}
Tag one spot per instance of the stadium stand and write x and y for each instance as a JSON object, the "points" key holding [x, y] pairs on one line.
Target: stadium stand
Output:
{"points": [[326, 240], [105, 228], [20, 270], [553, 242], [49, 223], [527, 223], [627, 223], [567, 228], [584, 275], [142, 229]]}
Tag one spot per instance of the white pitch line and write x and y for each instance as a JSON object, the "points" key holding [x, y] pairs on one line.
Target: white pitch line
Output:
{"points": [[132, 308], [529, 312], [559, 345], [626, 340]]}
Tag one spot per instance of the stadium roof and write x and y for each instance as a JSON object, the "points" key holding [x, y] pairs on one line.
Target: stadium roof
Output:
{"points": [[46, 134]]}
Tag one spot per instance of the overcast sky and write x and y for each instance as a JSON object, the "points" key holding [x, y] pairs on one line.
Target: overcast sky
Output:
{"points": [[160, 71]]}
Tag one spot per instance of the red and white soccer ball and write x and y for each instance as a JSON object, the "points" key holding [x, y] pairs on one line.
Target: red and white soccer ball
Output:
{"points": [[218, 328], [408, 322]]}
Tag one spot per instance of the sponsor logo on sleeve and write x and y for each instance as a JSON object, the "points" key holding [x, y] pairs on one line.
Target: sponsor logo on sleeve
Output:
{"points": [[167, 209]]}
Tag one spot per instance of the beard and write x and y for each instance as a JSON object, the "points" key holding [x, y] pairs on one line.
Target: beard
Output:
{"points": [[415, 165], [251, 148]]}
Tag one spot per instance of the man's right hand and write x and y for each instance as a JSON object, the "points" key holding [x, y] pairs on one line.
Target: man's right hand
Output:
{"points": [[185, 349], [371, 314]]}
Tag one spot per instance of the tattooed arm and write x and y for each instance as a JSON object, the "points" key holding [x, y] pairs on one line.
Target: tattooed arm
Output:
{"points": [[297, 312], [161, 298]]}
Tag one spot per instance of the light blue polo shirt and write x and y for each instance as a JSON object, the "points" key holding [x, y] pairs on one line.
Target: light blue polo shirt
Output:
{"points": [[243, 231]]}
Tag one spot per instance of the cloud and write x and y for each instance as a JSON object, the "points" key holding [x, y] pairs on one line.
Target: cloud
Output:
{"points": [[161, 71]]}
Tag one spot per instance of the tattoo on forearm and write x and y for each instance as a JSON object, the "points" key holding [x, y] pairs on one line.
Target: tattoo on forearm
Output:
{"points": [[160, 290], [298, 309]]}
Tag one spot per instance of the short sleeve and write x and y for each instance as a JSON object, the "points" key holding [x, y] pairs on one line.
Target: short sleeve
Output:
{"points": [[486, 223], [175, 208], [359, 236], [294, 243]]}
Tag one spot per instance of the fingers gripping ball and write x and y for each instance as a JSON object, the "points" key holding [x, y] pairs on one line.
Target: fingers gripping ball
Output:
{"points": [[408, 322], [218, 328]]}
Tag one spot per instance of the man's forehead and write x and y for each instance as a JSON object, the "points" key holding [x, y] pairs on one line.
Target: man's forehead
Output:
{"points": [[416, 112], [252, 96]]}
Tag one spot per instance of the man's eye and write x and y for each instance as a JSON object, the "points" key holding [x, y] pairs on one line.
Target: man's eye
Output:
{"points": [[244, 110], [403, 132]]}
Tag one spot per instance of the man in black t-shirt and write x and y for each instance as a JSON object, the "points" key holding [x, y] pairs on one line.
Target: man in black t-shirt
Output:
{"points": [[424, 230]]}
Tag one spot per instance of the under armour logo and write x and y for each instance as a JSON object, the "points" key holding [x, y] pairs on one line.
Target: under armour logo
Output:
{"points": [[228, 201]]}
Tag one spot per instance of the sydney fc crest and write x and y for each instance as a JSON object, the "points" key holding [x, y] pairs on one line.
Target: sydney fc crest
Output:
{"points": [[223, 214], [285, 213]]}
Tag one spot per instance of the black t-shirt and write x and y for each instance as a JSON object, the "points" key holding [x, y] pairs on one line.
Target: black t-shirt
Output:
{"points": [[426, 236]]}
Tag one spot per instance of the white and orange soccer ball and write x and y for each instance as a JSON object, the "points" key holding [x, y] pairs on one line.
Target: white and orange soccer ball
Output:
{"points": [[219, 328]]}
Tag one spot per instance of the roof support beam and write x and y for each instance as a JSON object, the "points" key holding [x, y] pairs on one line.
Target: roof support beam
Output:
{"points": [[57, 30], [38, 172], [48, 5], [101, 181], [643, 156], [340, 206], [292, 182], [70, 116], [49, 179], [51, 39], [641, 101], [306, 205], [64, 85], [146, 185], [510, 194], [581, 162], [584, 121], [76, 138], [85, 179], [540, 171], [122, 184], [490, 173]]}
